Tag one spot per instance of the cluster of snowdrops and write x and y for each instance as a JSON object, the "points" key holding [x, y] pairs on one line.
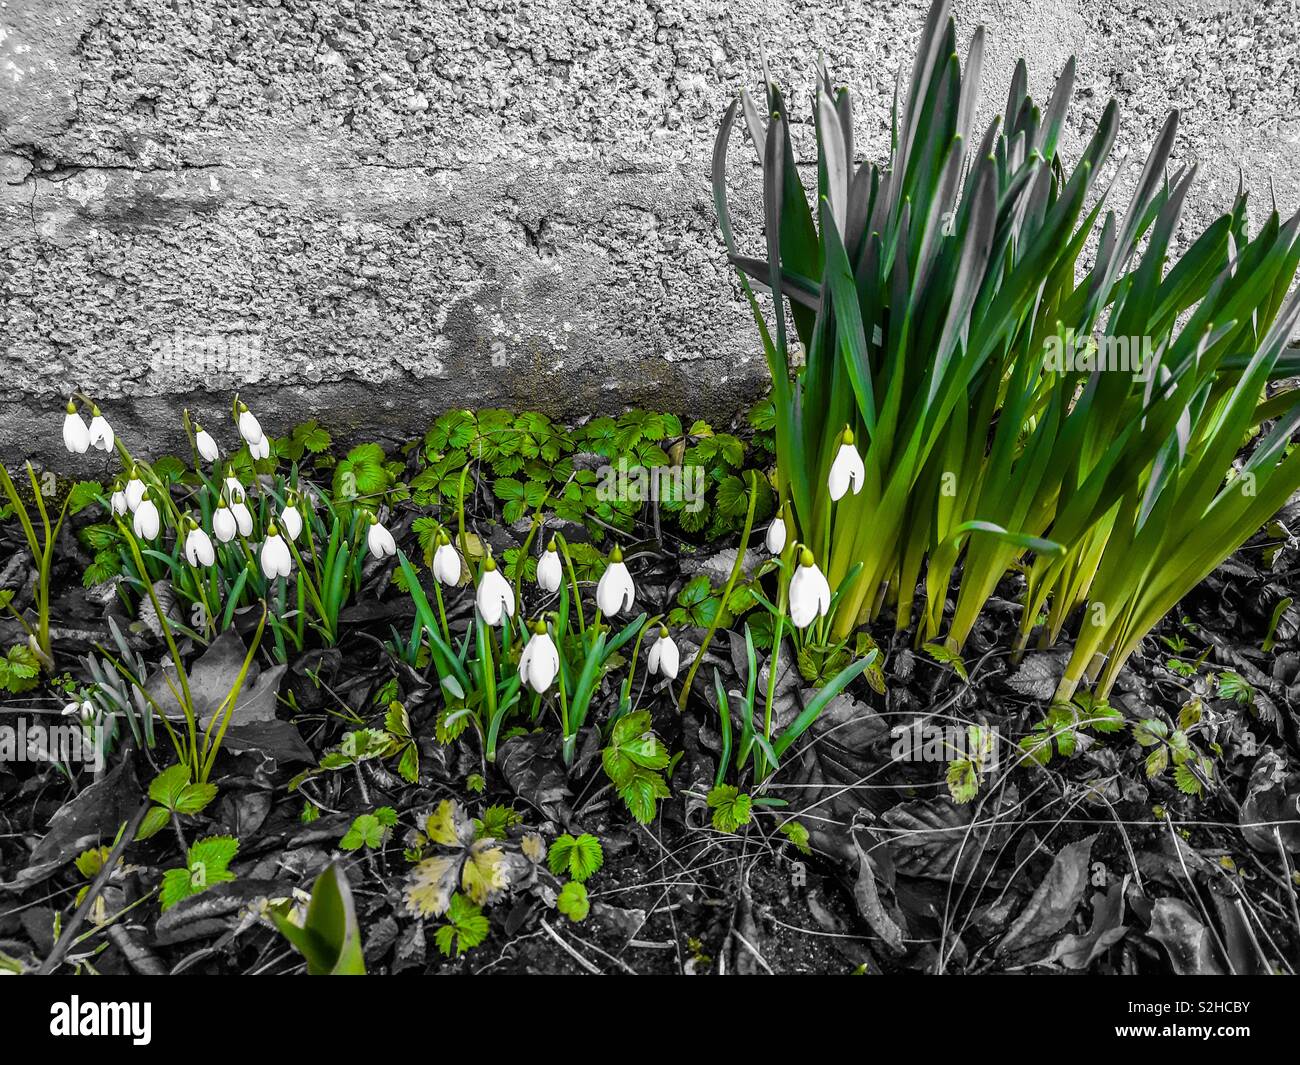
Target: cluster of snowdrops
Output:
{"points": [[224, 515]]}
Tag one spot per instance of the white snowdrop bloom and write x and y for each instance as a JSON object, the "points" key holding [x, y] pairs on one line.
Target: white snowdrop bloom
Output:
{"points": [[206, 445], [495, 597], [664, 657], [243, 518], [76, 436], [249, 428], [846, 469], [380, 540], [446, 562], [234, 490], [776, 536], [810, 594], [549, 570], [146, 520], [615, 590], [84, 711], [223, 524], [117, 503], [291, 521], [101, 433], [198, 548], [262, 449], [276, 560], [540, 661], [134, 492]]}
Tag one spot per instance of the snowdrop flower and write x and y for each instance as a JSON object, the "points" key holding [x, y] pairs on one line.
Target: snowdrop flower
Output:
{"points": [[76, 437], [776, 535], [291, 521], [847, 468], [495, 596], [223, 523], [249, 428], [615, 590], [146, 520], [446, 562], [243, 518], [549, 573], [540, 661], [118, 501], [198, 547], [262, 449], [134, 492], [810, 594], [380, 540], [207, 446], [664, 656], [84, 710], [101, 433], [276, 560], [234, 490]]}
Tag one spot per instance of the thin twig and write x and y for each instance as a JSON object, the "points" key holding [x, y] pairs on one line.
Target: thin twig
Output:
{"points": [[1289, 880], [570, 951]]}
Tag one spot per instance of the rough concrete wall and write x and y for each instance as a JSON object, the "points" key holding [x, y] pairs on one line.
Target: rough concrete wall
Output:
{"points": [[373, 211]]}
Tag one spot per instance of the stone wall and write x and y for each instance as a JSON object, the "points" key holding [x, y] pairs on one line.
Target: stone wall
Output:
{"points": [[372, 211]]}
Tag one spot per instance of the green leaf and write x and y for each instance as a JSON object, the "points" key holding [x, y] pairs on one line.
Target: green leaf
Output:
{"points": [[172, 790], [497, 821], [572, 901], [154, 822], [1235, 687], [361, 473], [329, 938], [641, 791], [731, 807], [83, 494], [90, 862], [1036, 748], [797, 834], [206, 864], [578, 857], [1186, 781], [312, 437], [175, 887], [369, 830], [634, 740], [211, 855], [963, 780], [1150, 732], [947, 657], [466, 927], [1157, 762]]}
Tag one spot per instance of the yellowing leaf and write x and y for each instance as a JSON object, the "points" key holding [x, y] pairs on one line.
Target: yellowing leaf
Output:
{"points": [[449, 825], [484, 875], [533, 847], [430, 885], [90, 862]]}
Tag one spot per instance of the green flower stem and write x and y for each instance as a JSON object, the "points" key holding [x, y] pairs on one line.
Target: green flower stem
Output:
{"points": [[736, 568], [570, 739], [775, 660], [187, 703], [636, 651], [442, 612], [523, 554], [573, 580]]}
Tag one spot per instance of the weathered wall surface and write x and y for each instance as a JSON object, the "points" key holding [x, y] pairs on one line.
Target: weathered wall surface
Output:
{"points": [[372, 211]]}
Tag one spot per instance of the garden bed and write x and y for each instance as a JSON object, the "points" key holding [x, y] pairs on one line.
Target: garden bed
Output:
{"points": [[915, 824]]}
